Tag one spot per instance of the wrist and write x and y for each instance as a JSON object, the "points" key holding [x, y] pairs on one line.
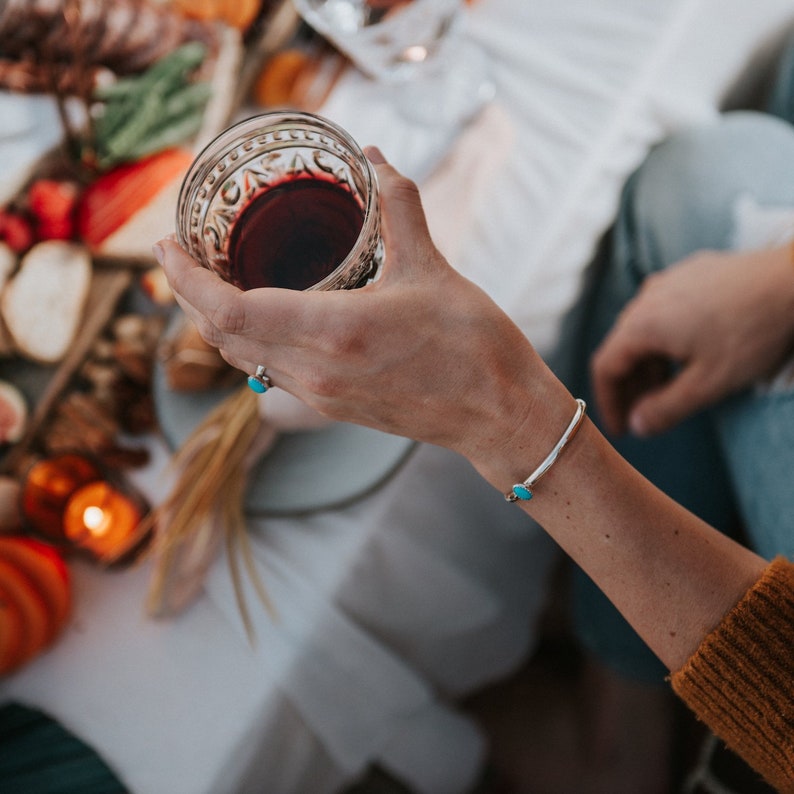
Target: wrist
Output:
{"points": [[525, 428], [525, 490]]}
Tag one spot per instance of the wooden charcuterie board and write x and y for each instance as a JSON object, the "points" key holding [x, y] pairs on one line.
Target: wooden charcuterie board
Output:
{"points": [[107, 288]]}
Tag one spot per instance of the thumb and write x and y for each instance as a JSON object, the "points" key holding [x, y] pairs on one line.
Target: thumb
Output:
{"points": [[405, 231], [662, 408]]}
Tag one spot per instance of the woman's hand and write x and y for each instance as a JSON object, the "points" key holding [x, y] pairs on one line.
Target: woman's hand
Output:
{"points": [[696, 332], [421, 352]]}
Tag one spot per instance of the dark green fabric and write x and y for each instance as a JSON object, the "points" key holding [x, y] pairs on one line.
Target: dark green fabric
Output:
{"points": [[39, 756]]}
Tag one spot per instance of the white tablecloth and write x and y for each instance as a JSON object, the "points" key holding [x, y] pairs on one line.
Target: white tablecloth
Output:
{"points": [[426, 589]]}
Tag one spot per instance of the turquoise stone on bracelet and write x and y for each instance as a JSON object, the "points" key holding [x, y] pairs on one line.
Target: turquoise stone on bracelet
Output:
{"points": [[522, 492]]}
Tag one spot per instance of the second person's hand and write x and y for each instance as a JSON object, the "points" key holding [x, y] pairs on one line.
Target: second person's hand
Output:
{"points": [[702, 329]]}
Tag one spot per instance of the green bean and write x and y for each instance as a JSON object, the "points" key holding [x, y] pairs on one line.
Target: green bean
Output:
{"points": [[176, 69], [136, 109], [154, 115], [173, 69], [114, 116], [178, 130], [136, 128], [121, 88], [195, 95]]}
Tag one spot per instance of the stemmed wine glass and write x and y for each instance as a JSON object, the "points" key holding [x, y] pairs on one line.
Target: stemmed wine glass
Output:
{"points": [[415, 46]]}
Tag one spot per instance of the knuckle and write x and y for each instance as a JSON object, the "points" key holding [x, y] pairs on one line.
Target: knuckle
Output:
{"points": [[403, 190], [323, 384], [348, 339], [228, 317], [402, 184], [208, 332]]}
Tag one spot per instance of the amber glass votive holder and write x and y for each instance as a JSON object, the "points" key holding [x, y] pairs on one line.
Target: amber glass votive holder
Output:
{"points": [[74, 502]]}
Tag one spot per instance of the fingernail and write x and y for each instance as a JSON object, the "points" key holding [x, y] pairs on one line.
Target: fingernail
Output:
{"points": [[374, 155], [159, 252], [637, 425]]}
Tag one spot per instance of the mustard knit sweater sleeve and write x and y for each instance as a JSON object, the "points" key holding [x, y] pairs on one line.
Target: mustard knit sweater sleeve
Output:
{"points": [[740, 681]]}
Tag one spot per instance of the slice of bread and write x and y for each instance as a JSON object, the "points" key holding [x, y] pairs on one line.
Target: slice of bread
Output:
{"points": [[42, 304]]}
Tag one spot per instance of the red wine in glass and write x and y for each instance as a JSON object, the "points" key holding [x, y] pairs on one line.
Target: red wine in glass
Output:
{"points": [[293, 234]]}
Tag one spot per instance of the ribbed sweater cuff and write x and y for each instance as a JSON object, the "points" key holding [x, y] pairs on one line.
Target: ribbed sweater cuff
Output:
{"points": [[740, 681]]}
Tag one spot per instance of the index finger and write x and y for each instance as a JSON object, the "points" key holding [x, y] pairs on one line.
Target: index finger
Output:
{"points": [[216, 306], [195, 284], [611, 369], [232, 319]]}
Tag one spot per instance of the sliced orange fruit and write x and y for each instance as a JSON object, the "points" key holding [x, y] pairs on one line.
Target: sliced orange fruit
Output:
{"points": [[276, 82], [239, 13]]}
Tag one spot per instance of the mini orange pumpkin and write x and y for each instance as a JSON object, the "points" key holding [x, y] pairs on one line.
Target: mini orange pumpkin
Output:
{"points": [[35, 599]]}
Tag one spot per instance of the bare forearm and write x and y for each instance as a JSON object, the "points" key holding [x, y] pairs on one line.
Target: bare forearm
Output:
{"points": [[671, 575]]}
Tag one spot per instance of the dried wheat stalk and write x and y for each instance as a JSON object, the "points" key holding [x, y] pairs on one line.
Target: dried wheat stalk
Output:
{"points": [[205, 507]]}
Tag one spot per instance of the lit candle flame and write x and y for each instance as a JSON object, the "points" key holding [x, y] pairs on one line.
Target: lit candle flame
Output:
{"points": [[96, 521], [101, 519]]}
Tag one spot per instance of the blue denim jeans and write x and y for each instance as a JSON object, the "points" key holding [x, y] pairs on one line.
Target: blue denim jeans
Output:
{"points": [[732, 464]]}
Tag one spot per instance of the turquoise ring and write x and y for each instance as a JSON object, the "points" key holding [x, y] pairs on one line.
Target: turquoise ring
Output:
{"points": [[259, 381]]}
